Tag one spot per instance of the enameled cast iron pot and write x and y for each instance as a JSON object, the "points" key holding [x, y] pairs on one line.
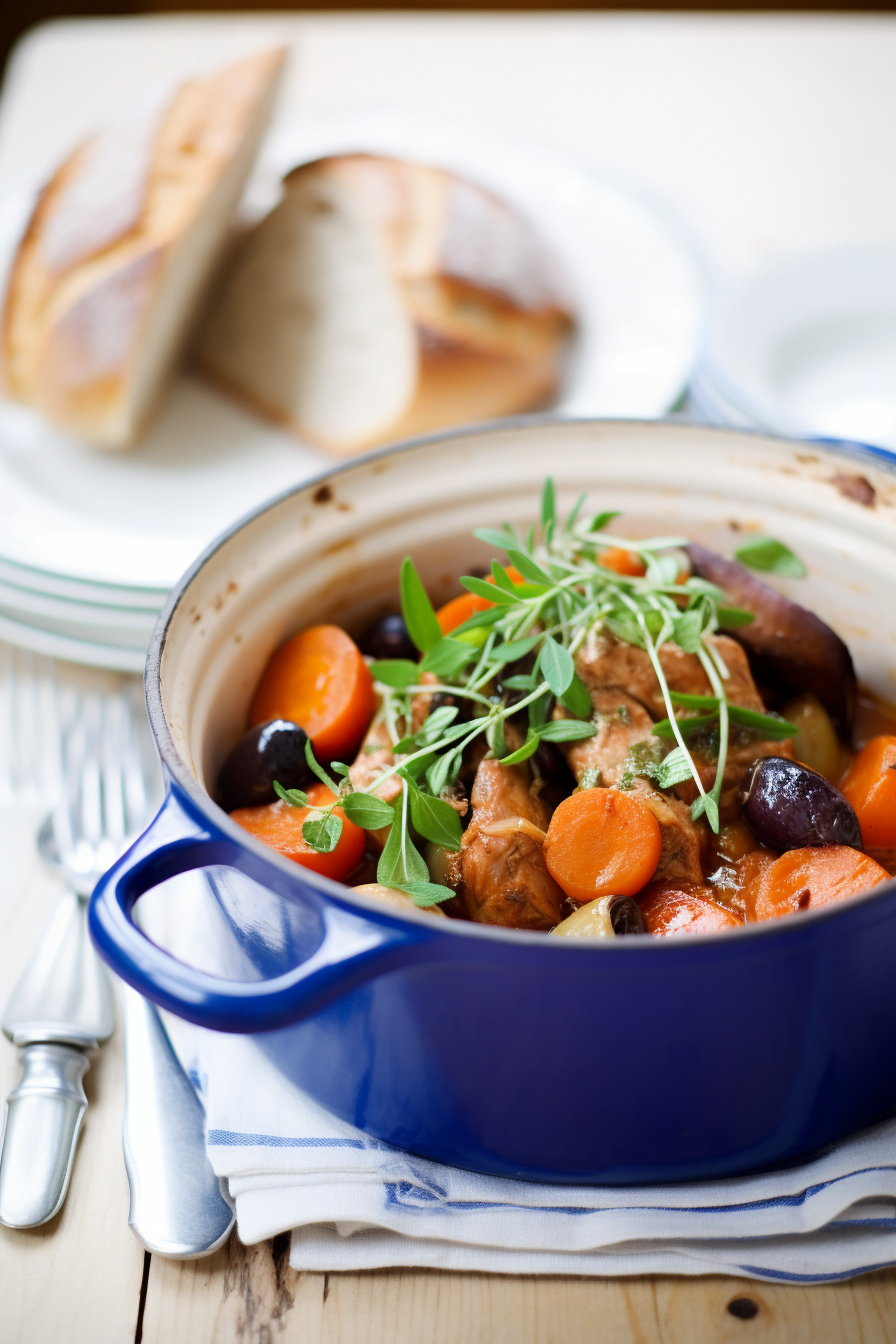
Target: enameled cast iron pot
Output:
{"points": [[637, 1060]]}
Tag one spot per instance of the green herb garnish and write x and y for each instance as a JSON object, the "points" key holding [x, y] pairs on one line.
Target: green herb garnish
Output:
{"points": [[768, 554], [524, 645]]}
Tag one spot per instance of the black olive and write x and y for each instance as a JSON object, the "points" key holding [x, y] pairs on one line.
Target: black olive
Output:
{"points": [[388, 638], [786, 806], [625, 916], [273, 750]]}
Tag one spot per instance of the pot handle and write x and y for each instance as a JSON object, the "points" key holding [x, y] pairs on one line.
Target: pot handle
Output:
{"points": [[353, 949]]}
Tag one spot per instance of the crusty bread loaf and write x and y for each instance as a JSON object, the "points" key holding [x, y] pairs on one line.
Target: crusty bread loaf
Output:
{"points": [[382, 298], [120, 248]]}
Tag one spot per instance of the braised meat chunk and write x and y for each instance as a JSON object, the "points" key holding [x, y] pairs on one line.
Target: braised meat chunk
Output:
{"points": [[503, 879]]}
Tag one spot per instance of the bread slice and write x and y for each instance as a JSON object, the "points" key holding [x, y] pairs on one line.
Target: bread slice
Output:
{"points": [[382, 298], [120, 249]]}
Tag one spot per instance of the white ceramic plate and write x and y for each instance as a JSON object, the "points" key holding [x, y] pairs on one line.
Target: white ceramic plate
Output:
{"points": [[32, 637], [46, 584], [807, 346], [138, 519]]}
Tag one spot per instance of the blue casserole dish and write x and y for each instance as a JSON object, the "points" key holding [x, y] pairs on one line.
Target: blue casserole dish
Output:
{"points": [[511, 1053]]}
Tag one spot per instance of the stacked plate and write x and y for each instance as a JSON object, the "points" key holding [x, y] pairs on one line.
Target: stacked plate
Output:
{"points": [[90, 542], [806, 347]]}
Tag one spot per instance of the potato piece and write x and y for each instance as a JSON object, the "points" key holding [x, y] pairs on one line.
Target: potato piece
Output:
{"points": [[393, 896], [816, 745]]}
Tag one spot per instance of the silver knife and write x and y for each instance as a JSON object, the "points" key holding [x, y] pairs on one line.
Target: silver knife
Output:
{"points": [[60, 1009]]}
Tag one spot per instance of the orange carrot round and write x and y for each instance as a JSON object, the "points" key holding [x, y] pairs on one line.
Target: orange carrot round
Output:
{"points": [[602, 843], [319, 680], [461, 608], [623, 561], [279, 825], [670, 909], [804, 879], [870, 785]]}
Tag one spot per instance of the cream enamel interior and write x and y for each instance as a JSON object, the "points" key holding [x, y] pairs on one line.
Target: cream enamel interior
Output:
{"points": [[331, 551]]}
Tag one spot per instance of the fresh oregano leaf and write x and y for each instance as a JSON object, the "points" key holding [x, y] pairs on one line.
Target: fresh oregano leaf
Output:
{"points": [[479, 620], [706, 804], [490, 592], [367, 811], [525, 751], [685, 726], [295, 797], [673, 769], [626, 628], [447, 657], [689, 628], [576, 699], [548, 504], [502, 578], [769, 724], [773, 556], [322, 832], [395, 672], [435, 820], [600, 520], [400, 862], [567, 730], [436, 723], [492, 537], [729, 618], [509, 653], [444, 769], [528, 567], [519, 682], [574, 513], [496, 739], [556, 665], [538, 709], [319, 771], [694, 701], [416, 608], [426, 894]]}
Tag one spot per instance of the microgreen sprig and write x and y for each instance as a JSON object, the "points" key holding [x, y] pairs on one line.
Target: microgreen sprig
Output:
{"points": [[516, 656]]}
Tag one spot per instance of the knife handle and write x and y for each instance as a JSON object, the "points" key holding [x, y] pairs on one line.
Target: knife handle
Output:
{"points": [[43, 1117]]}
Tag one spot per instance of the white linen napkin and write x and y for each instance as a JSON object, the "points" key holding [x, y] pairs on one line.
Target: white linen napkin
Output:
{"points": [[353, 1202]]}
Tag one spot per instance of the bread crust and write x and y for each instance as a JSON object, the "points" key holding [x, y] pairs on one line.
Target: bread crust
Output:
{"points": [[82, 338], [487, 300]]}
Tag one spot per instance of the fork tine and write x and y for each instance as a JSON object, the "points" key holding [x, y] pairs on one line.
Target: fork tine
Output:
{"points": [[28, 761]]}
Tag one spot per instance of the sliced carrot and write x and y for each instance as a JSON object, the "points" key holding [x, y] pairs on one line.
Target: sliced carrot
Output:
{"points": [[670, 909], [870, 785], [623, 561], [748, 874], [319, 680], [804, 879], [602, 842], [461, 608], [279, 826]]}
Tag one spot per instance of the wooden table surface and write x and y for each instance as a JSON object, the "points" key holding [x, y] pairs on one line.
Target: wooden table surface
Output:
{"points": [[764, 132]]}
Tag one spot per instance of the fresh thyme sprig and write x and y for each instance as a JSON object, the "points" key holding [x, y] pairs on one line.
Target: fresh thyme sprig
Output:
{"points": [[517, 656]]}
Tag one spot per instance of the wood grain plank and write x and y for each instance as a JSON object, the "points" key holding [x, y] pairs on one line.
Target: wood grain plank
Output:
{"points": [[76, 1280], [249, 1295]]}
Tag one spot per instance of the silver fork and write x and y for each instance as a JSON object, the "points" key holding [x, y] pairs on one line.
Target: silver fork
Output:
{"points": [[61, 1007], [112, 782], [29, 772]]}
